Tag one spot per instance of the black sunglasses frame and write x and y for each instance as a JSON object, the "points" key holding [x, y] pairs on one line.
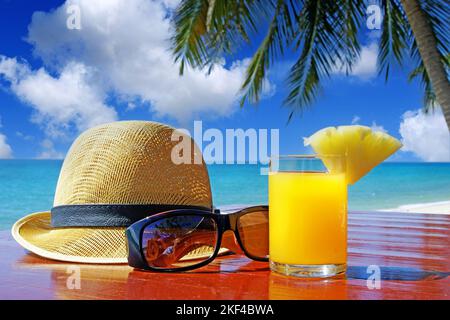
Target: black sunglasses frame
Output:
{"points": [[224, 222]]}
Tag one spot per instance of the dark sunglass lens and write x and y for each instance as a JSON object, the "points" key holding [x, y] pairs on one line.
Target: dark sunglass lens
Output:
{"points": [[253, 229], [179, 241]]}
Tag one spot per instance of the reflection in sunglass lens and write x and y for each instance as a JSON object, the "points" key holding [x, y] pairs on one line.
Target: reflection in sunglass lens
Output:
{"points": [[253, 230], [179, 241]]}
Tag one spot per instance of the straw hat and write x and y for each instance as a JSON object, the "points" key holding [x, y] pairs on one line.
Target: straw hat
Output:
{"points": [[113, 175]]}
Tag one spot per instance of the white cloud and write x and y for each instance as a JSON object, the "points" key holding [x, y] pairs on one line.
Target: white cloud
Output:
{"points": [[49, 151], [366, 66], [131, 106], [356, 119], [72, 98], [5, 149], [426, 135], [12, 69], [126, 44], [24, 136], [122, 51], [375, 127]]}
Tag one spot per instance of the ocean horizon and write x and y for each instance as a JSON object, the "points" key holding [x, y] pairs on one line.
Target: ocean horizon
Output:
{"points": [[28, 186]]}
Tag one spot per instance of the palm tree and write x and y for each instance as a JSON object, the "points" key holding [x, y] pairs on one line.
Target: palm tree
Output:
{"points": [[325, 36], [434, 74]]}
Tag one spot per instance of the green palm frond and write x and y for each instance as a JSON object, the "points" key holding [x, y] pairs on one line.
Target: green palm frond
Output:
{"points": [[304, 75], [277, 38], [189, 46], [349, 21], [206, 30], [394, 41], [321, 26], [229, 24], [324, 35], [209, 14], [324, 32], [429, 97]]}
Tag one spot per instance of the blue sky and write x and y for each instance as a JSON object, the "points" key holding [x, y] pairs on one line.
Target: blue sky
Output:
{"points": [[56, 82]]}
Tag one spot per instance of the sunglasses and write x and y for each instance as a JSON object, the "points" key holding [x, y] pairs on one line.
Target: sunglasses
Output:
{"points": [[186, 239]]}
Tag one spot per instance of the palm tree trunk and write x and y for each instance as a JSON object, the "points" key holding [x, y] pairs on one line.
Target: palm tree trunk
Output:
{"points": [[427, 45]]}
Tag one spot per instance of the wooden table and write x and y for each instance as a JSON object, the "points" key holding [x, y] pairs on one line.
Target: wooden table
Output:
{"points": [[412, 251]]}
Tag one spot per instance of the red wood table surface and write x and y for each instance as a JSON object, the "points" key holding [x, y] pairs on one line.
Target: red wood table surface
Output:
{"points": [[412, 251]]}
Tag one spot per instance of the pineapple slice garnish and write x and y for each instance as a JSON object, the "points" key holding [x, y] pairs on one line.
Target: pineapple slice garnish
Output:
{"points": [[362, 148]]}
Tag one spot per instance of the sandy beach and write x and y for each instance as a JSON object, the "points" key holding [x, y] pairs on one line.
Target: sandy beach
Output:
{"points": [[442, 207]]}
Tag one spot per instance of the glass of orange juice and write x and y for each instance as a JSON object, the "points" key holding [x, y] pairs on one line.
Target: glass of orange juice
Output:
{"points": [[308, 216]]}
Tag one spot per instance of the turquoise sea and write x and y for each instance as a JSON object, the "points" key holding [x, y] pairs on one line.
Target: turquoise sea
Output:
{"points": [[28, 185]]}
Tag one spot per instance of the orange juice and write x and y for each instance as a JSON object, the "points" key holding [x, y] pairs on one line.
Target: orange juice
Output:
{"points": [[308, 218]]}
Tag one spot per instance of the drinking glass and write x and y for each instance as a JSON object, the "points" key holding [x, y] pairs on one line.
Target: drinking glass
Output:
{"points": [[308, 215]]}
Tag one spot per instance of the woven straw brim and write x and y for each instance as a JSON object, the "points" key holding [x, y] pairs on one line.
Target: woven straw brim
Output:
{"points": [[106, 245], [82, 245]]}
